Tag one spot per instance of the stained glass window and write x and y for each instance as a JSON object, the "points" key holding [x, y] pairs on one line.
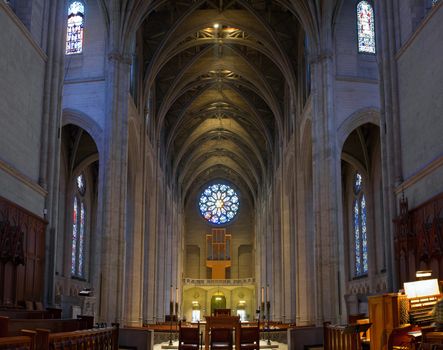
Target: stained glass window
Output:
{"points": [[74, 237], [365, 27], [78, 228], [74, 30], [359, 218], [219, 204], [81, 184]]}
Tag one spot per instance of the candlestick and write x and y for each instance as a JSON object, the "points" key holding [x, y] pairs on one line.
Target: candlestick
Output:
{"points": [[176, 295]]}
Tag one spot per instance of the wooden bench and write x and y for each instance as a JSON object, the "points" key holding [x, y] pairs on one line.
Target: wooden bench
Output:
{"points": [[12, 327]]}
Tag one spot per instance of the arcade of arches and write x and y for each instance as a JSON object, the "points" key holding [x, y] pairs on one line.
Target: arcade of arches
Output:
{"points": [[210, 151]]}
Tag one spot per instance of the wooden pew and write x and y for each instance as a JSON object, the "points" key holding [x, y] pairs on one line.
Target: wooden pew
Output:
{"points": [[12, 327]]}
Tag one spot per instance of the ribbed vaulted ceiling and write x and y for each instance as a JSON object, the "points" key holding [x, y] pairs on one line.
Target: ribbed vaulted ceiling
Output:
{"points": [[219, 73]]}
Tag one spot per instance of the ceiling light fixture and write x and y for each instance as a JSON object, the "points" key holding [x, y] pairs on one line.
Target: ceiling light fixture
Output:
{"points": [[216, 25]]}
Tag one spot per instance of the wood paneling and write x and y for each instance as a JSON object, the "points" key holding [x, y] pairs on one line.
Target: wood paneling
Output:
{"points": [[419, 239], [22, 252]]}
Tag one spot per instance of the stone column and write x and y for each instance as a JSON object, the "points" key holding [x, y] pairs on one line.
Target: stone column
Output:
{"points": [[134, 247], [390, 127], [325, 178], [113, 188], [50, 140]]}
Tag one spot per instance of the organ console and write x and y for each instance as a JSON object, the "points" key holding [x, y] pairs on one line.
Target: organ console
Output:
{"points": [[399, 318]]}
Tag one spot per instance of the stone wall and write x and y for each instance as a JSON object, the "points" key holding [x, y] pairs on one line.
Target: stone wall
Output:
{"points": [[22, 67], [421, 103], [85, 86]]}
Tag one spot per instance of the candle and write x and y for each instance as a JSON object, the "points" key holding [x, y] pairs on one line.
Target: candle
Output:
{"points": [[267, 293], [170, 295], [262, 295]]}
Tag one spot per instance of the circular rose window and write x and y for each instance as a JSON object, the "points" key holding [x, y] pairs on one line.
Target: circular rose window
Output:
{"points": [[219, 204]]}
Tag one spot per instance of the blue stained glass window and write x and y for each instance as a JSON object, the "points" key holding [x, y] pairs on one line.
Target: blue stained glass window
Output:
{"points": [[365, 27], [219, 204], [74, 30], [357, 238], [364, 239], [81, 247], [359, 217], [78, 228], [74, 237]]}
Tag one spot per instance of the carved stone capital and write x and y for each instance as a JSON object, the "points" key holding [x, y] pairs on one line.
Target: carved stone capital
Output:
{"points": [[119, 57]]}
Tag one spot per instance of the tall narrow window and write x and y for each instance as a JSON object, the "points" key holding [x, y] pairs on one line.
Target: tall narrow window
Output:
{"points": [[365, 27], [78, 228], [74, 31], [359, 227]]}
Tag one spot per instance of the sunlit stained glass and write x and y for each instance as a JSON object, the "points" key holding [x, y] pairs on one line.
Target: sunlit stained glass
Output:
{"points": [[78, 228], [364, 239], [81, 184], [359, 217], [219, 204], [357, 238], [365, 27], [357, 183], [74, 30], [81, 247], [74, 237]]}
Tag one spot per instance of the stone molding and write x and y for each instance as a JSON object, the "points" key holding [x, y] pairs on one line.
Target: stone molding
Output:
{"points": [[420, 174], [82, 120], [22, 178], [353, 121], [119, 57]]}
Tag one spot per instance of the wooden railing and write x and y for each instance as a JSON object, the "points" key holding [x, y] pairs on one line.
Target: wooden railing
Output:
{"points": [[90, 339], [336, 338], [43, 339], [17, 343], [12, 327], [49, 313]]}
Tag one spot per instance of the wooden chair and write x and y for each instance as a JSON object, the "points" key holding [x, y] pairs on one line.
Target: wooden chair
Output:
{"points": [[188, 337], [221, 338], [399, 339], [250, 338]]}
